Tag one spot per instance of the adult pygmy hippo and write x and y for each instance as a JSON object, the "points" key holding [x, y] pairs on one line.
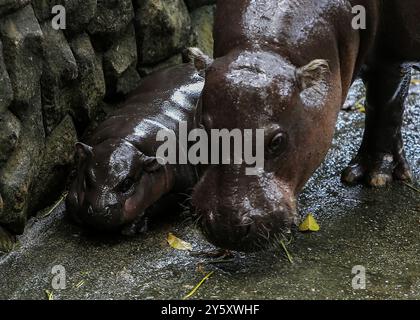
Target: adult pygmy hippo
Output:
{"points": [[118, 177], [286, 66]]}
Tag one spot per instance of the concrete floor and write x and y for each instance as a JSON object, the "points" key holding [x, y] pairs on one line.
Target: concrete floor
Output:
{"points": [[378, 229]]}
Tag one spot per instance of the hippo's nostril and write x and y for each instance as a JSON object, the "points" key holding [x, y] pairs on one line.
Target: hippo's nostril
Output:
{"points": [[90, 210]]}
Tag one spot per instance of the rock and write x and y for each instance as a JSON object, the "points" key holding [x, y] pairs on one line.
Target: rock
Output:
{"points": [[172, 61], [22, 48], [22, 39], [90, 87], [6, 91], [112, 16], [163, 29], [78, 12], [42, 9], [10, 128], [122, 54], [59, 69], [202, 25], [194, 4], [8, 6], [59, 61], [128, 81], [17, 175], [119, 58], [55, 165]]}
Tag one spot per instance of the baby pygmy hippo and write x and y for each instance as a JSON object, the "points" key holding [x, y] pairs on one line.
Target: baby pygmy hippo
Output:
{"points": [[119, 179]]}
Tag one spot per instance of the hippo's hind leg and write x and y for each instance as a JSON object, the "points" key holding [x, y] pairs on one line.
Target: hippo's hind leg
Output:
{"points": [[381, 158]]}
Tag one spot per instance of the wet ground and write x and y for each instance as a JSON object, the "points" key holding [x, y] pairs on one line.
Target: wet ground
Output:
{"points": [[376, 229]]}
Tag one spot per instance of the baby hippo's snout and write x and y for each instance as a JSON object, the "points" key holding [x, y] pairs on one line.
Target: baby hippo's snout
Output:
{"points": [[248, 216], [107, 218]]}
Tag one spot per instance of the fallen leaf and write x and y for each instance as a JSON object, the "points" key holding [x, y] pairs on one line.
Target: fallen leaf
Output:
{"points": [[309, 224], [360, 107], [50, 210], [198, 285], [177, 243], [49, 294], [288, 255], [412, 187], [81, 283]]}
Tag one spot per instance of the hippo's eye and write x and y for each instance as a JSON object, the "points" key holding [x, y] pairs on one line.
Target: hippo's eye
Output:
{"points": [[277, 144], [126, 185]]}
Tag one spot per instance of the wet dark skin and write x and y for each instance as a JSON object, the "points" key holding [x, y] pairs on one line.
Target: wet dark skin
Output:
{"points": [[286, 66], [119, 181]]}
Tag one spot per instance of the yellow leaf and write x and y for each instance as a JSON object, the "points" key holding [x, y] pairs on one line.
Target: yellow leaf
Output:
{"points": [[198, 285], [50, 295], [412, 187], [309, 224], [53, 207], [361, 108], [289, 256], [177, 243]]}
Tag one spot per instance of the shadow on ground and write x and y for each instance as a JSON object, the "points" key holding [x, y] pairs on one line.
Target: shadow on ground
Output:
{"points": [[377, 229]]}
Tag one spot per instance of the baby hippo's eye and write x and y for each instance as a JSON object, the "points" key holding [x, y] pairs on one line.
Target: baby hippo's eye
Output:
{"points": [[277, 144], [126, 185]]}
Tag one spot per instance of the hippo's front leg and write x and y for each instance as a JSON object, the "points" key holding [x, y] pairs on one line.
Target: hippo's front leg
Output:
{"points": [[381, 157]]}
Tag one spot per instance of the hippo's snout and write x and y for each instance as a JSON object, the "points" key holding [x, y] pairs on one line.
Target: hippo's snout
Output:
{"points": [[243, 214], [103, 219], [246, 232]]}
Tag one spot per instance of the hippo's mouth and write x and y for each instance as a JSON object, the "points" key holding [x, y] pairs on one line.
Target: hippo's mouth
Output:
{"points": [[247, 232], [139, 225], [243, 214]]}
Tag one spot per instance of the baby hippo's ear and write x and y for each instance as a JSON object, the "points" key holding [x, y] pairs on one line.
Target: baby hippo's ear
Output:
{"points": [[199, 58], [83, 150], [151, 164], [313, 74]]}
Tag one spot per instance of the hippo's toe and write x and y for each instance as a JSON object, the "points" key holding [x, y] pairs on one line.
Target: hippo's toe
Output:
{"points": [[377, 170], [353, 174]]}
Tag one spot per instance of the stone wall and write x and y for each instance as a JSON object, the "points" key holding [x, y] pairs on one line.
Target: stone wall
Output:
{"points": [[54, 84]]}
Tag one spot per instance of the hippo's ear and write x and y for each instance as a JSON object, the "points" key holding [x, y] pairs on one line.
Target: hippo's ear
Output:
{"points": [[199, 58], [83, 150], [313, 74], [151, 164]]}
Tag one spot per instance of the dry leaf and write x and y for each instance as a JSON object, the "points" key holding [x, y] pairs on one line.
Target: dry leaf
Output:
{"points": [[50, 295], [309, 224], [198, 285], [288, 255], [81, 283], [177, 243]]}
